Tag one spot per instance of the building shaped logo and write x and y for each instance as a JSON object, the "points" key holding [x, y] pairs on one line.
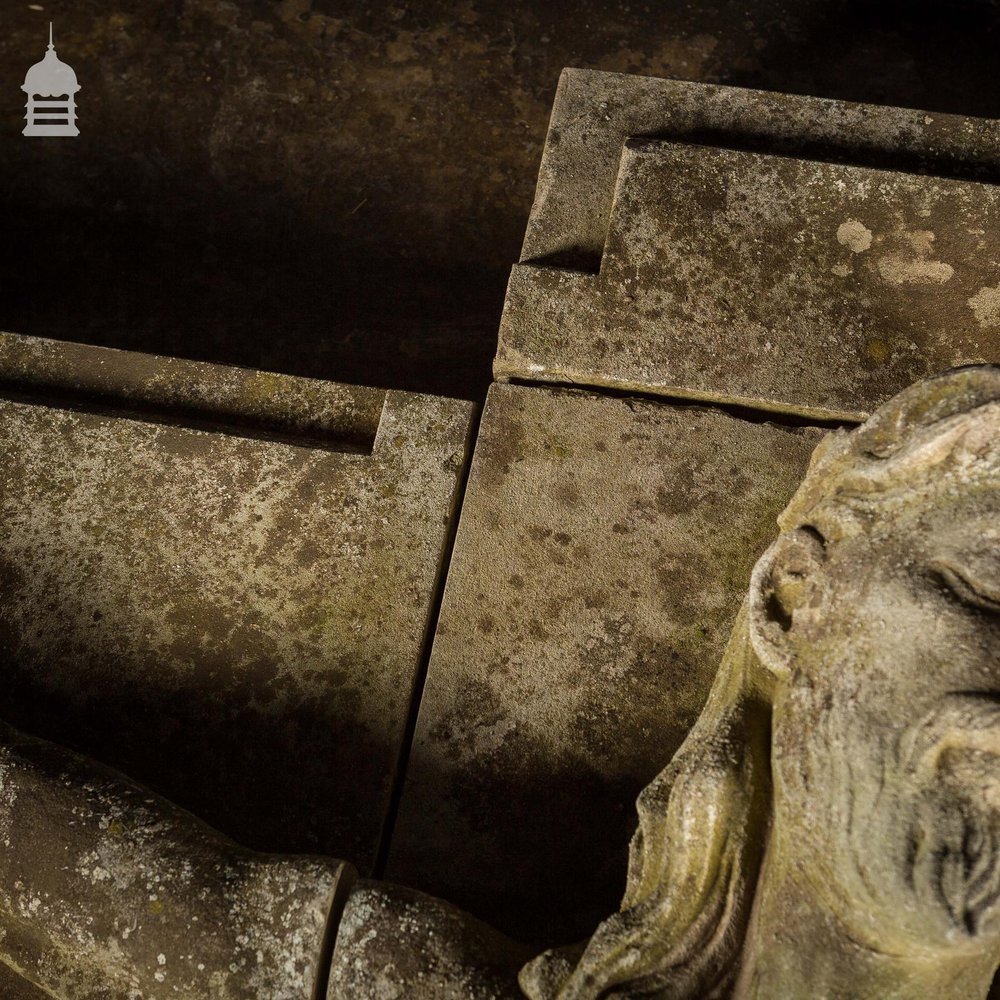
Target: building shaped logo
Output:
{"points": [[51, 88]]}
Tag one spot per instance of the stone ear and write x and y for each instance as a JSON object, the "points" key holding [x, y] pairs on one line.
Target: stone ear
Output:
{"points": [[782, 582]]}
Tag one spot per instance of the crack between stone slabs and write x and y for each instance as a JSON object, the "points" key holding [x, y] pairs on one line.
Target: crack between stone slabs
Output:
{"points": [[444, 567], [749, 414], [346, 884]]}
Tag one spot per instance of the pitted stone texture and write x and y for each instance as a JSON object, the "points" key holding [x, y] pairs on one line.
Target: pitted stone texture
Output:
{"points": [[602, 553], [236, 621], [774, 282], [594, 113], [397, 944], [107, 893]]}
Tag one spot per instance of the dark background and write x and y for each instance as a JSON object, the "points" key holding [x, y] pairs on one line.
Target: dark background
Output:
{"points": [[339, 190]]}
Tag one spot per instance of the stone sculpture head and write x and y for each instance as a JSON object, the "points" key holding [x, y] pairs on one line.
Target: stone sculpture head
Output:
{"points": [[831, 826]]}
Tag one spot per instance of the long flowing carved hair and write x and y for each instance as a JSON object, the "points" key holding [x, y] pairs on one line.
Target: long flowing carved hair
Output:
{"points": [[703, 822]]}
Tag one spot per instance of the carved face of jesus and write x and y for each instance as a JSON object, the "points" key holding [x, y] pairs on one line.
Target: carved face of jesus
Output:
{"points": [[886, 747]]}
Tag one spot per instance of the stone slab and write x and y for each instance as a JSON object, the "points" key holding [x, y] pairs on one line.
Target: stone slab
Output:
{"points": [[595, 112], [220, 581], [603, 549], [769, 281]]}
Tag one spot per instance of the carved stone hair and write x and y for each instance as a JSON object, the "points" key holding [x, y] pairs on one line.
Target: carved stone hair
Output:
{"points": [[695, 857]]}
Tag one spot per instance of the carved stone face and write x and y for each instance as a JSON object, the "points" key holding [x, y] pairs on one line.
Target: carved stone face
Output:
{"points": [[886, 747]]}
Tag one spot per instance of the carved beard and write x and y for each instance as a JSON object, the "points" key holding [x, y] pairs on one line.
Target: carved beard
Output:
{"points": [[909, 822], [952, 758]]}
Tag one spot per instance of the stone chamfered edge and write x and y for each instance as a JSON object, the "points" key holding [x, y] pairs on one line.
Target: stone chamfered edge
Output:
{"points": [[251, 403], [726, 271], [513, 365], [595, 112], [408, 452]]}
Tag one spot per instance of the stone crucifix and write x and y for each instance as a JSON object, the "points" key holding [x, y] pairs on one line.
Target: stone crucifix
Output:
{"points": [[831, 826]]}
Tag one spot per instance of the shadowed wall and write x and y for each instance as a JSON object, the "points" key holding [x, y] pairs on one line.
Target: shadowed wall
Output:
{"points": [[338, 189]]}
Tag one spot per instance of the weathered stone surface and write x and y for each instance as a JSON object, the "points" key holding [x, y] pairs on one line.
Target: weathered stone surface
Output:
{"points": [[394, 943], [776, 282], [170, 390], [205, 594], [829, 827], [108, 893], [594, 113], [603, 549]]}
